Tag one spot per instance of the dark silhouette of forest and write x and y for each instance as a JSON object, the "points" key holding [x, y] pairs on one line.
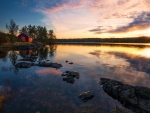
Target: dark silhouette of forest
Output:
{"points": [[41, 34], [143, 39]]}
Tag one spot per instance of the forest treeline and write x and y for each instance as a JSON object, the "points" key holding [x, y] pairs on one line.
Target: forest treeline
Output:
{"points": [[38, 33], [41, 34], [5, 37], [143, 39]]}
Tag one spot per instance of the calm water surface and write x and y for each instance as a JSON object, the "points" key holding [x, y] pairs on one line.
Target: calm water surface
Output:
{"points": [[42, 89]]}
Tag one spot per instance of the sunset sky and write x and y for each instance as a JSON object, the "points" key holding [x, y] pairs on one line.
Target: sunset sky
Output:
{"points": [[80, 18]]}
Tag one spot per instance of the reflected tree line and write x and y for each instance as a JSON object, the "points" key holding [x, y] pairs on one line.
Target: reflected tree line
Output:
{"points": [[13, 58], [42, 55], [43, 52]]}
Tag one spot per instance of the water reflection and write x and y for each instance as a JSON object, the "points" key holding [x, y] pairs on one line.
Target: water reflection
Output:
{"points": [[49, 49], [3, 55], [43, 54], [13, 55], [25, 53], [27, 57], [42, 89], [52, 49], [48, 71], [125, 66]]}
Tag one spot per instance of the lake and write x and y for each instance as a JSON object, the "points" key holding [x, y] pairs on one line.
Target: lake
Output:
{"points": [[42, 89]]}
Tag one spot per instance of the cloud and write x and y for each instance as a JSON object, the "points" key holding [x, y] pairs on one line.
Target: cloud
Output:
{"points": [[82, 15], [53, 6], [139, 23], [100, 29], [96, 29]]}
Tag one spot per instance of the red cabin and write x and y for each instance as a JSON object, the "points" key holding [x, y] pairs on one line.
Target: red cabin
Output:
{"points": [[23, 37]]}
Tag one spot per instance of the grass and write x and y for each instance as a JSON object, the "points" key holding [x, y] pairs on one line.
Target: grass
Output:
{"points": [[6, 46], [9, 46], [22, 43]]}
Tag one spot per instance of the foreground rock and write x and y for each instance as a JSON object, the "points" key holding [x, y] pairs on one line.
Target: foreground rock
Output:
{"points": [[6, 95], [27, 59], [134, 97], [69, 76], [50, 64], [85, 96], [43, 64], [24, 64]]}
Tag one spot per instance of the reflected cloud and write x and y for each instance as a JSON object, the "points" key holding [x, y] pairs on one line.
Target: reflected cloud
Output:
{"points": [[48, 71], [3, 55], [13, 55], [110, 59], [126, 66], [138, 63], [96, 53]]}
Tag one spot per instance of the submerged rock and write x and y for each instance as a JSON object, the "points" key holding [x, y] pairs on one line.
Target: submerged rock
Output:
{"points": [[71, 63], [85, 96], [2, 101], [69, 79], [133, 97], [7, 80], [71, 74], [6, 95], [8, 90]]}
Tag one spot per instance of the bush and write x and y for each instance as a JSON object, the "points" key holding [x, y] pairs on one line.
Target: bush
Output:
{"points": [[4, 38]]}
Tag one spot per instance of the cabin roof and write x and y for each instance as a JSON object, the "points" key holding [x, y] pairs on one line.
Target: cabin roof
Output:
{"points": [[24, 34]]}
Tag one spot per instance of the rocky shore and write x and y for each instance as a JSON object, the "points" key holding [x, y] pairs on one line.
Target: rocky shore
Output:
{"points": [[69, 76], [85, 96], [29, 46], [136, 98], [28, 64]]}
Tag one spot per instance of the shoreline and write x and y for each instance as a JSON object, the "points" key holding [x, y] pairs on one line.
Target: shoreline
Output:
{"points": [[27, 46], [104, 43], [21, 46]]}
